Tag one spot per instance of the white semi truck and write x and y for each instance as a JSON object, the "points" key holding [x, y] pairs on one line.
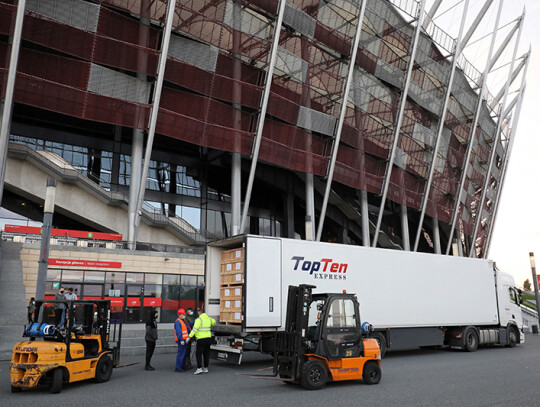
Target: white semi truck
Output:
{"points": [[411, 299]]}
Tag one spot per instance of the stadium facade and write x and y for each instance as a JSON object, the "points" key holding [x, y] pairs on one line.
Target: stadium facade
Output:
{"points": [[413, 157]]}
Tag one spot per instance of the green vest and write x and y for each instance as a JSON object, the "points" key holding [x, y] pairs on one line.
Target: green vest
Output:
{"points": [[202, 327]]}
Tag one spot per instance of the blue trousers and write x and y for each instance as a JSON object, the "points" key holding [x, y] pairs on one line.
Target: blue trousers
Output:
{"points": [[180, 356]]}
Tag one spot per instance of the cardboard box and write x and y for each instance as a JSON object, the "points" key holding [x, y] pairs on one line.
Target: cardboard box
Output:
{"points": [[236, 278], [231, 293], [230, 305], [230, 316], [233, 254], [231, 267]]}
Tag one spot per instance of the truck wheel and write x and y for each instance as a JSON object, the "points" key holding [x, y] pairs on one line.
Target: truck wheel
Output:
{"points": [[104, 369], [57, 378], [15, 389], [381, 341], [513, 337], [372, 373], [471, 340], [313, 375]]}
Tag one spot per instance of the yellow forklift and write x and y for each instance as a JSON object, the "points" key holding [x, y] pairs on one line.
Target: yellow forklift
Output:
{"points": [[324, 341], [77, 347]]}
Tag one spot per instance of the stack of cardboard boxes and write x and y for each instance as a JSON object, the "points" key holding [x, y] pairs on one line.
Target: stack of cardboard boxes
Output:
{"points": [[232, 278]]}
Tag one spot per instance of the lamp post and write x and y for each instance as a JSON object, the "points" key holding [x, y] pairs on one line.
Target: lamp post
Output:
{"points": [[535, 282], [43, 262]]}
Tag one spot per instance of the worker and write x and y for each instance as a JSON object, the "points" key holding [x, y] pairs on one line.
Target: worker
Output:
{"points": [[181, 336], [190, 351], [202, 332], [151, 338]]}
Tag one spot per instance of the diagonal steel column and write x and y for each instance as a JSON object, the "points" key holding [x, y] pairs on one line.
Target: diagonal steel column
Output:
{"points": [[171, 4], [345, 99], [397, 126], [513, 77], [477, 21], [480, 207], [5, 119], [440, 127], [262, 114], [513, 130], [504, 44], [472, 132], [431, 13]]}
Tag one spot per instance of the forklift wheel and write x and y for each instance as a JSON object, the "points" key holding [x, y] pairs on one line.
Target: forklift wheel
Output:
{"points": [[313, 375], [104, 369], [56, 384], [372, 372], [15, 389]]}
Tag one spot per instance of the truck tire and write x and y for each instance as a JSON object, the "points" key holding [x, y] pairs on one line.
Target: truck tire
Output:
{"points": [[381, 341], [313, 375], [104, 369], [513, 337], [57, 378], [470, 340], [372, 373], [15, 389]]}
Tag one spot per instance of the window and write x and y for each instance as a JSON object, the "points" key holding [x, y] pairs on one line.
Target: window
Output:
{"points": [[134, 278], [341, 314], [513, 296], [115, 277], [72, 275], [94, 276]]}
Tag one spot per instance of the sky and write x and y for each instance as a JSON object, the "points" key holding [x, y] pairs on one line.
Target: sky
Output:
{"points": [[517, 228]]}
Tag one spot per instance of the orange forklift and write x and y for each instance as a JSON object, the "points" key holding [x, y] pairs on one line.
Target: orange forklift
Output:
{"points": [[324, 341], [78, 349]]}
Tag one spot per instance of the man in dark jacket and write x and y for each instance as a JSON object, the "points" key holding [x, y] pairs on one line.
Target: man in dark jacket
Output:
{"points": [[151, 338], [59, 308]]}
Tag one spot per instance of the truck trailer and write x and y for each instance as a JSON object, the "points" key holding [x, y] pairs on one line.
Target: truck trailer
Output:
{"points": [[412, 299]]}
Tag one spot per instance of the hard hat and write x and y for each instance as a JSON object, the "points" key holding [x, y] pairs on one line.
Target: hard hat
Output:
{"points": [[181, 311]]}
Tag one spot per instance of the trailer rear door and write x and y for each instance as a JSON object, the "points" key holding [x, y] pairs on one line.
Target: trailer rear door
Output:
{"points": [[262, 282]]}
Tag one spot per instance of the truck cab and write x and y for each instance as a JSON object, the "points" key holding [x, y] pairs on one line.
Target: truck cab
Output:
{"points": [[509, 302]]}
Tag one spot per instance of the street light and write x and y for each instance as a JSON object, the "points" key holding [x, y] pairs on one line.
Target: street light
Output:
{"points": [[535, 282]]}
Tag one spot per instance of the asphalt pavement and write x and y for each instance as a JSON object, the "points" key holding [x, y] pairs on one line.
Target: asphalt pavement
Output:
{"points": [[494, 376]]}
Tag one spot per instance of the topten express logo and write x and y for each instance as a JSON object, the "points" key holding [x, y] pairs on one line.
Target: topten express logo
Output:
{"points": [[325, 269]]}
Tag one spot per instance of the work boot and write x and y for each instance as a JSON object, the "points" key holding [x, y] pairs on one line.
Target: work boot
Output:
{"points": [[199, 371]]}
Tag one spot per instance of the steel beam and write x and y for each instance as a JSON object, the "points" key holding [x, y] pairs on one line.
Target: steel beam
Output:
{"points": [[513, 77], [440, 127], [171, 4], [5, 119], [513, 130], [431, 13], [397, 125], [472, 132], [480, 207], [405, 228], [236, 159], [364, 211], [339, 127], [477, 21], [504, 44], [262, 114]]}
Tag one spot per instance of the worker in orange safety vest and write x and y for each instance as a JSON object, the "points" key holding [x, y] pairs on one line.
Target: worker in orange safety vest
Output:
{"points": [[181, 334]]}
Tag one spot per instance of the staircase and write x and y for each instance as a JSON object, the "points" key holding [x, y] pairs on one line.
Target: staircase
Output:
{"points": [[13, 314]]}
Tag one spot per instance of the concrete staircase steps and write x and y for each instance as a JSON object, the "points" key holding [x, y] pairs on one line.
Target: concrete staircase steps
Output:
{"points": [[12, 298]]}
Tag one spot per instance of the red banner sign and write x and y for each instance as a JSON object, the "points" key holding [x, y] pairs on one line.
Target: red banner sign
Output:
{"points": [[85, 263], [34, 230], [133, 302], [116, 301], [152, 302]]}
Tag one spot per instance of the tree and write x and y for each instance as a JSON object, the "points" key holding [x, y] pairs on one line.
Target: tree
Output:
{"points": [[527, 285]]}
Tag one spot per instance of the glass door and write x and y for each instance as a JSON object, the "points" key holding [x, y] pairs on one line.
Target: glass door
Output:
{"points": [[134, 296]]}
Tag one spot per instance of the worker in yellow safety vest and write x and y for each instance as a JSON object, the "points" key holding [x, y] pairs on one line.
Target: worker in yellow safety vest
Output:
{"points": [[202, 332]]}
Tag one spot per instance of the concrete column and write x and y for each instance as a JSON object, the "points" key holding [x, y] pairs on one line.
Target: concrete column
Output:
{"points": [[405, 228], [436, 236], [366, 241], [137, 142], [115, 165], [310, 208], [48, 211]]}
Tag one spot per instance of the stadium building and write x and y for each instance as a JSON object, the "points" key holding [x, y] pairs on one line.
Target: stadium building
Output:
{"points": [[358, 122]]}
